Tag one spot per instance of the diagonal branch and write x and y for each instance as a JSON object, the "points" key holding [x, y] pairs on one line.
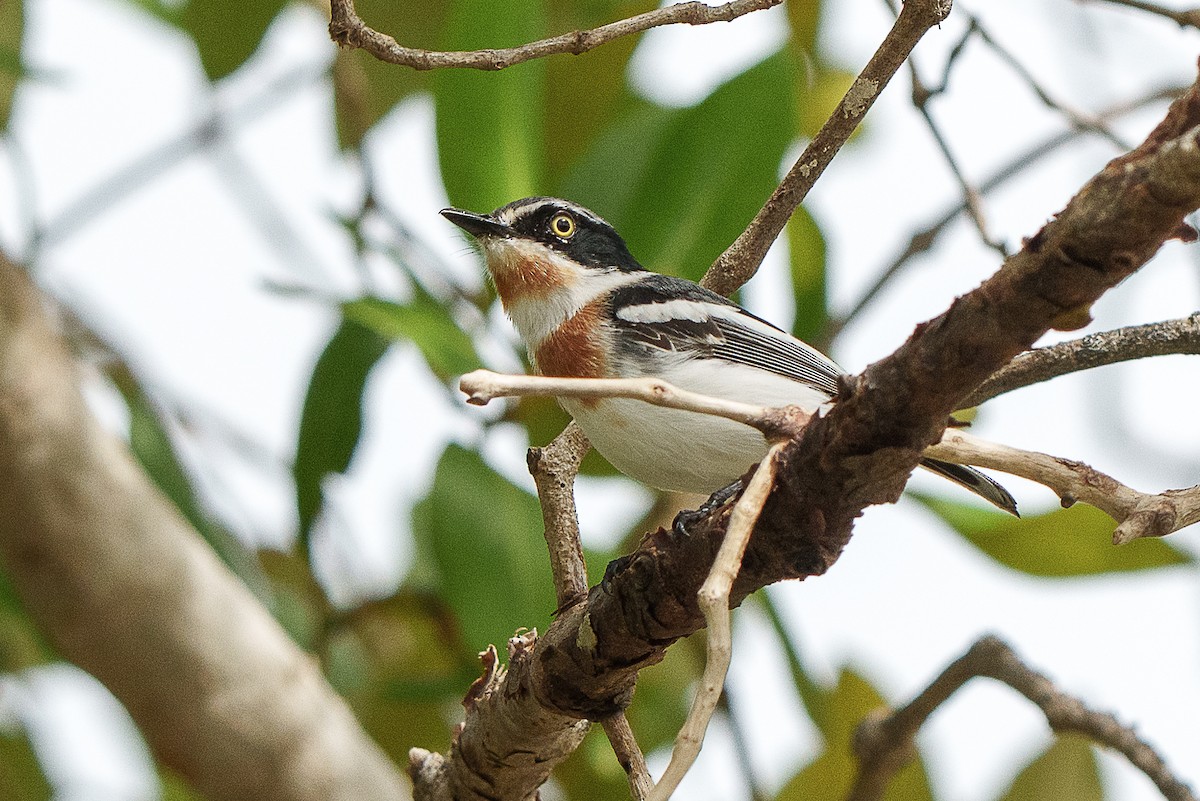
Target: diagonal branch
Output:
{"points": [[1094, 350], [742, 258], [884, 742], [347, 29]]}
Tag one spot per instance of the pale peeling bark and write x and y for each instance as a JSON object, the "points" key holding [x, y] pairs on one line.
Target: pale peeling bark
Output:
{"points": [[126, 589]]}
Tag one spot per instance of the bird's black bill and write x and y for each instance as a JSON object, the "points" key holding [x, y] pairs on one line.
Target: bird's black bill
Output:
{"points": [[476, 224]]}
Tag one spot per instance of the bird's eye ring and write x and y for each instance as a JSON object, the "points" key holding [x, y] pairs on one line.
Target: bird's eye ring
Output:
{"points": [[562, 225]]}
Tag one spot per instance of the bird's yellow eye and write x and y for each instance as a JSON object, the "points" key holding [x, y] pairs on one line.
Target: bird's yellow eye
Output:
{"points": [[562, 225]]}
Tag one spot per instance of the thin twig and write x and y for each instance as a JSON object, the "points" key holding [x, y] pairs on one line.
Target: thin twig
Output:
{"points": [[347, 29], [741, 259], [629, 754], [923, 240], [554, 468], [972, 197], [1077, 118], [1184, 18], [1138, 514], [885, 742], [482, 386], [714, 601], [1169, 337]]}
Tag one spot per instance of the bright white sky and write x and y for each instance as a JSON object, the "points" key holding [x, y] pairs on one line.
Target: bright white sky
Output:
{"points": [[175, 275]]}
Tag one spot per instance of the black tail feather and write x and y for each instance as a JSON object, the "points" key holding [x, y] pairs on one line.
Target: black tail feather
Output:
{"points": [[976, 482]]}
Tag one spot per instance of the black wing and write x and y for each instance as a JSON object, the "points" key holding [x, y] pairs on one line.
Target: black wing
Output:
{"points": [[675, 314]]}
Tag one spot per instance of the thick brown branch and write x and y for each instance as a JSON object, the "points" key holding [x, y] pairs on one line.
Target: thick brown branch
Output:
{"points": [[1095, 350], [123, 587], [741, 259], [347, 29], [885, 743]]}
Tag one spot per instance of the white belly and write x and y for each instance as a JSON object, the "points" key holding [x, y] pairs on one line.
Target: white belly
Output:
{"points": [[686, 451]]}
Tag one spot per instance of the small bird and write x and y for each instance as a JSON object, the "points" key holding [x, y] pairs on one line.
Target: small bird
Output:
{"points": [[585, 308]]}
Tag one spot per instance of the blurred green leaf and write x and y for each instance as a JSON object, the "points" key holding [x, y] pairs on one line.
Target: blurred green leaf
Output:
{"points": [[815, 698], [583, 95], [807, 247], [832, 773], [663, 696], [21, 776], [1063, 542], [413, 648], [426, 323], [1067, 769], [680, 185], [227, 32], [297, 601], [482, 539], [174, 788], [819, 97], [490, 124], [331, 421], [804, 17], [365, 88], [12, 29], [21, 644]]}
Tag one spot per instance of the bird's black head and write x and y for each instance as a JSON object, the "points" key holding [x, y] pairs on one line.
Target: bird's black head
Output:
{"points": [[566, 227]]}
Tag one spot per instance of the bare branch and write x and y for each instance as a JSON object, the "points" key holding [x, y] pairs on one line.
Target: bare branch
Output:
{"points": [[347, 29], [482, 386], [629, 755], [714, 601], [554, 468], [885, 742], [741, 259], [1139, 515], [1094, 350], [923, 240]]}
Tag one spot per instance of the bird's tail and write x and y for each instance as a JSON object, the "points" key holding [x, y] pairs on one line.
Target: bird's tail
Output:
{"points": [[975, 481]]}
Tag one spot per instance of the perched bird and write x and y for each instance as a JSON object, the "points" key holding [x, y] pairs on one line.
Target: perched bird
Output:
{"points": [[586, 308]]}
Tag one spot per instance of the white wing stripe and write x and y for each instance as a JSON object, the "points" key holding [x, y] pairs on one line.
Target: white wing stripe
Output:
{"points": [[695, 311]]}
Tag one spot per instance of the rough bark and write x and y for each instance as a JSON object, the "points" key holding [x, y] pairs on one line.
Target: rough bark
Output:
{"points": [[126, 589]]}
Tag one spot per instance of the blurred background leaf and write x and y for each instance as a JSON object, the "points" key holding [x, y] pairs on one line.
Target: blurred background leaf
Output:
{"points": [[21, 778], [831, 774], [222, 45], [1057, 544], [12, 29], [481, 539], [1067, 769], [490, 125], [365, 88], [331, 421], [681, 184]]}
